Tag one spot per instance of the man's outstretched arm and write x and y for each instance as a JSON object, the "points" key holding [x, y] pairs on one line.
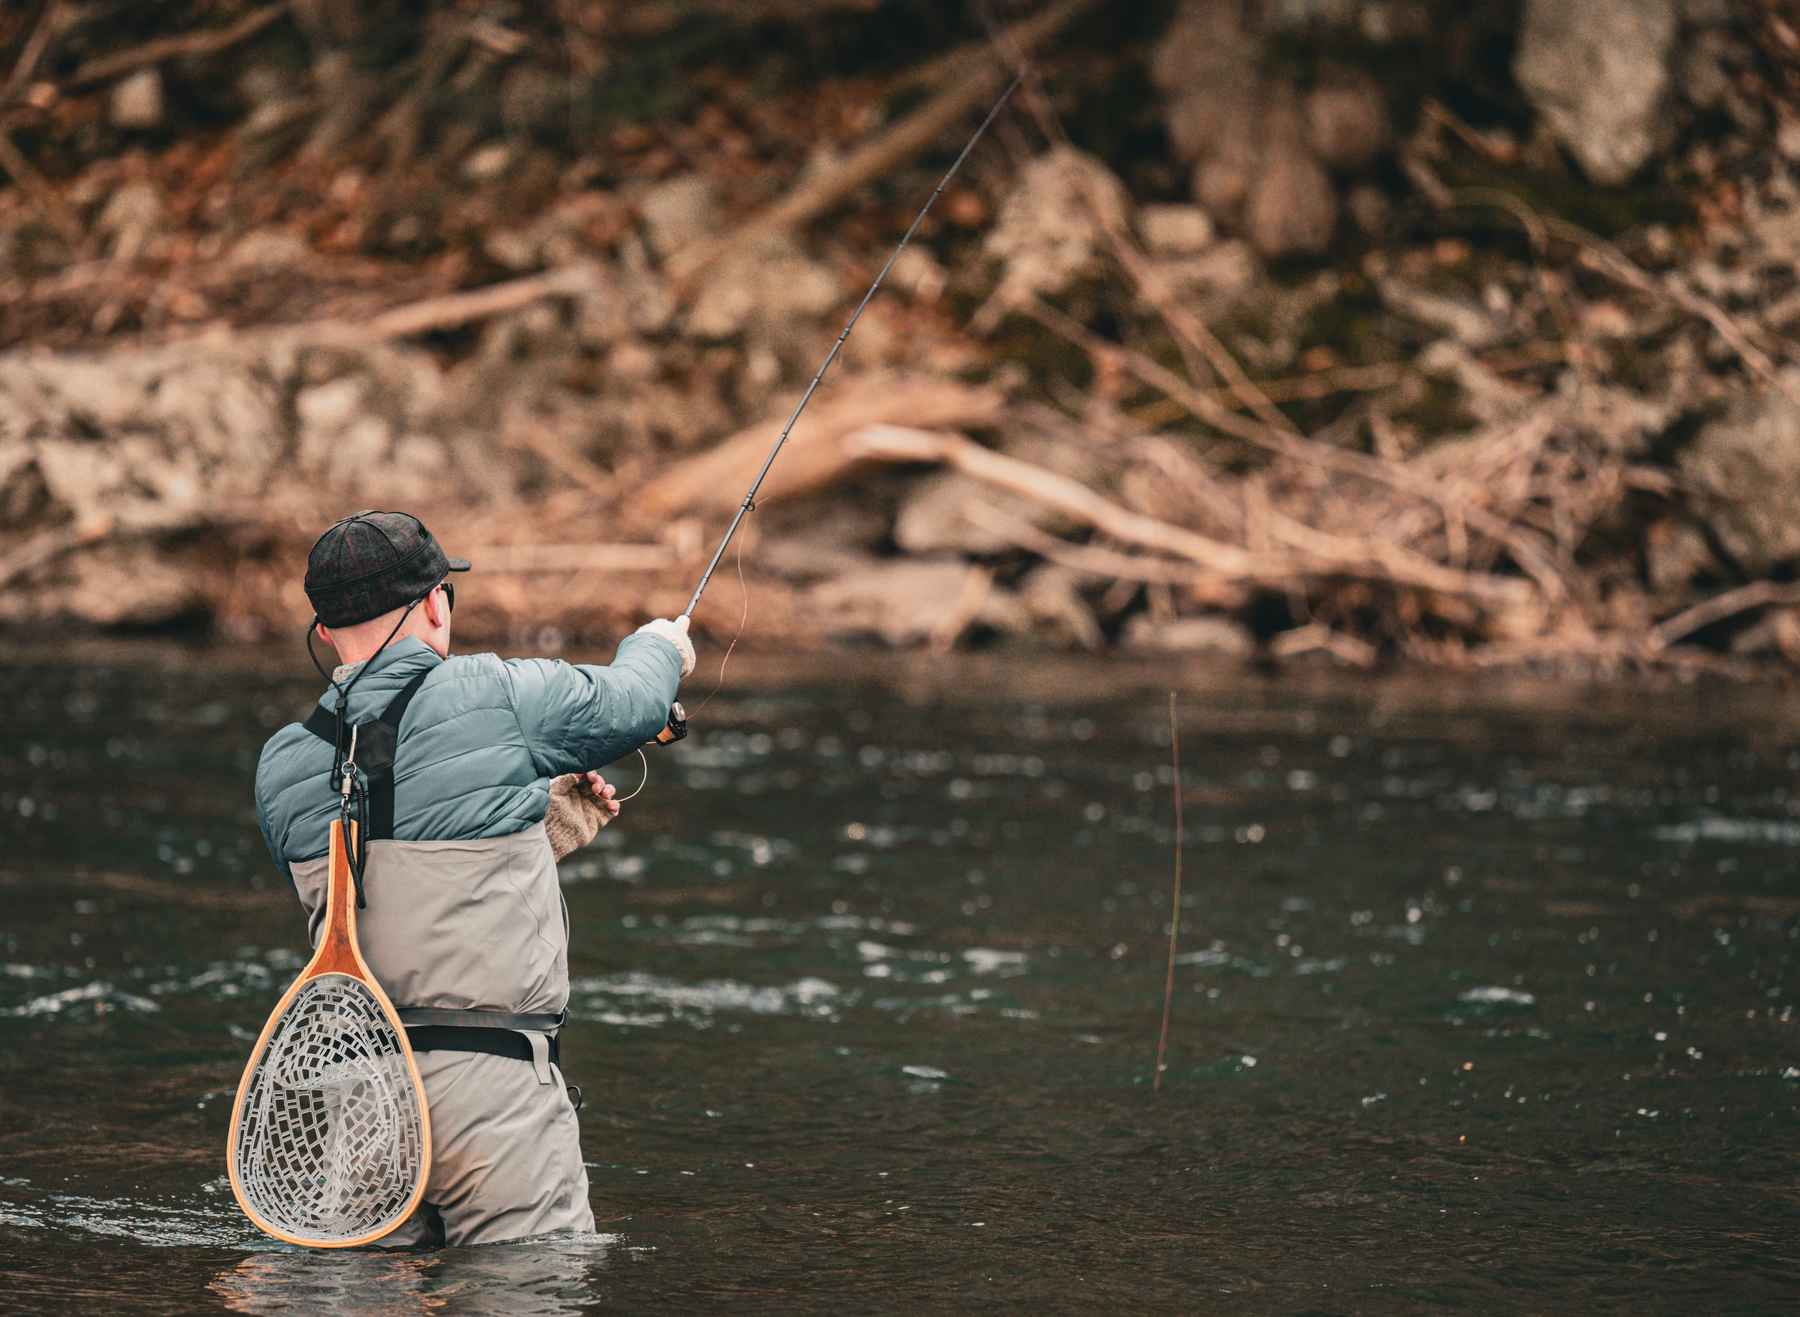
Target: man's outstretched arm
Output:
{"points": [[578, 716]]}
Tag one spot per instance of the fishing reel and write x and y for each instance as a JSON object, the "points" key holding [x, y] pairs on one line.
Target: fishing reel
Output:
{"points": [[675, 729]]}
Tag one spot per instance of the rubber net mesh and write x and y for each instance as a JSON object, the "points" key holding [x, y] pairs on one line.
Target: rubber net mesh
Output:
{"points": [[331, 1137]]}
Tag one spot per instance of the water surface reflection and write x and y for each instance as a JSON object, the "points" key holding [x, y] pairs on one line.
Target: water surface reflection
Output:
{"points": [[1486, 997]]}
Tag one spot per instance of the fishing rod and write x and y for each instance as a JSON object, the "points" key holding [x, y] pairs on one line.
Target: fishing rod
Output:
{"points": [[676, 728]]}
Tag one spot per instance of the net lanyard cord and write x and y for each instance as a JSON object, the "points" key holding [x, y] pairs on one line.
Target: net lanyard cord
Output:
{"points": [[353, 795]]}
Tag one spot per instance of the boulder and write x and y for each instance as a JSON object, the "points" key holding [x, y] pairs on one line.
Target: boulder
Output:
{"points": [[1675, 552], [137, 100], [1208, 634], [133, 215], [1214, 279], [1747, 464], [268, 249], [1175, 230], [1598, 73], [1051, 596], [1292, 209], [1347, 121], [133, 437], [1206, 66], [773, 293], [1223, 176], [941, 514], [904, 603], [1051, 229], [678, 212], [128, 583], [817, 538]]}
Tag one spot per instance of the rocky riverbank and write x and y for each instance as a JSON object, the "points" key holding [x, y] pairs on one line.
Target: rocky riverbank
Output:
{"points": [[1358, 327]]}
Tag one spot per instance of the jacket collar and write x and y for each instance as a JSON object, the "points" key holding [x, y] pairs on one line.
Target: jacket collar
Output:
{"points": [[399, 662]]}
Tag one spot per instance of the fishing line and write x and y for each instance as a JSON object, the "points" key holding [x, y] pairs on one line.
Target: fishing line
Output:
{"points": [[641, 785], [743, 620], [1162, 1039]]}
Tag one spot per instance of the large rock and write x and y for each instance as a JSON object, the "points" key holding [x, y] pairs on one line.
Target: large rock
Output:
{"points": [[1206, 67], [134, 437], [1260, 150], [1206, 634], [1292, 208], [772, 294], [1052, 597], [133, 216], [1347, 120], [1598, 71], [678, 212], [1747, 463], [944, 511], [904, 603], [1051, 230], [1175, 230], [137, 100]]}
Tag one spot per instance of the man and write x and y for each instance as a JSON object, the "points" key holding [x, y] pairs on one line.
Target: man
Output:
{"points": [[464, 926]]}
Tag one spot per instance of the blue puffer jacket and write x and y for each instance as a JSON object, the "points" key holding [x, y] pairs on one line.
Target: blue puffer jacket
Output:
{"points": [[480, 743]]}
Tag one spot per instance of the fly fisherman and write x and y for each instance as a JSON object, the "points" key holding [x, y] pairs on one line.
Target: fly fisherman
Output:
{"points": [[480, 784]]}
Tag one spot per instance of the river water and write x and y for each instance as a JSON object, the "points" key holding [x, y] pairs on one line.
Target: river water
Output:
{"points": [[1485, 997]]}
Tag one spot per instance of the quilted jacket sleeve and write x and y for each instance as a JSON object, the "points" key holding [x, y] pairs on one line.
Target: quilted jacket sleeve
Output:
{"points": [[577, 716]]}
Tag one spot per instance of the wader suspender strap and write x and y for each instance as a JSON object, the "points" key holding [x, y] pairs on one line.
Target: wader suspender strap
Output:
{"points": [[375, 743], [488, 1032]]}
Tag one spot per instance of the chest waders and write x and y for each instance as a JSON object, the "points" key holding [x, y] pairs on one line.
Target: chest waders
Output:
{"points": [[369, 750]]}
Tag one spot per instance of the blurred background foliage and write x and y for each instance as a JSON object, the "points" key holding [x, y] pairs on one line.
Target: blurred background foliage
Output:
{"points": [[1374, 329]]}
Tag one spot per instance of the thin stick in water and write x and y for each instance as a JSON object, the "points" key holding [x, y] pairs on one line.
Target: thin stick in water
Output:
{"points": [[1162, 1042]]}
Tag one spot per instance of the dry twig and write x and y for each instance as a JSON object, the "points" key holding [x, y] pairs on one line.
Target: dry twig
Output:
{"points": [[1162, 1040], [1758, 594], [207, 42]]}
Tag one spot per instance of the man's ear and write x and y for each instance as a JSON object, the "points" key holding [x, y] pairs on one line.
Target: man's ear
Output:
{"points": [[324, 633], [437, 608]]}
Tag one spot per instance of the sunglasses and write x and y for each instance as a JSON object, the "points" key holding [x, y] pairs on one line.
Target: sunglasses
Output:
{"points": [[449, 593]]}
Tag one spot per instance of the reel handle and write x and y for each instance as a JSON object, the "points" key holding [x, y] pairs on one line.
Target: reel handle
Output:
{"points": [[675, 729]]}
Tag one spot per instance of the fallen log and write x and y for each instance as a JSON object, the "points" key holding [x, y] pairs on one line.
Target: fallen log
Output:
{"points": [[814, 456], [1309, 553]]}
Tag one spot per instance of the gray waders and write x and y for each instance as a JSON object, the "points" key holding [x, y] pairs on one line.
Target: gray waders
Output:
{"points": [[474, 936]]}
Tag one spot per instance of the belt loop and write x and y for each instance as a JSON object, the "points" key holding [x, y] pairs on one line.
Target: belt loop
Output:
{"points": [[540, 1057]]}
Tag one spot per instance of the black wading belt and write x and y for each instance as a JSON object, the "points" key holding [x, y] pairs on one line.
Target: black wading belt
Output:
{"points": [[376, 740]]}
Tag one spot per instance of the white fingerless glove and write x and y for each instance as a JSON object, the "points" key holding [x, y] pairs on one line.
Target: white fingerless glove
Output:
{"points": [[676, 633]]}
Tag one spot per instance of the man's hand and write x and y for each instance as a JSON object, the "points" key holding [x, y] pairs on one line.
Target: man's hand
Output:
{"points": [[675, 631], [580, 805]]}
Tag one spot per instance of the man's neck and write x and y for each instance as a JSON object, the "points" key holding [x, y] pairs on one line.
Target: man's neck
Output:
{"points": [[347, 669]]}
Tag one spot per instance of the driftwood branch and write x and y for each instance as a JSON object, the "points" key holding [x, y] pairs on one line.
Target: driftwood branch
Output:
{"points": [[35, 46], [1206, 408], [1758, 594], [1072, 498], [456, 309], [1092, 560], [1319, 554], [813, 458], [207, 42]]}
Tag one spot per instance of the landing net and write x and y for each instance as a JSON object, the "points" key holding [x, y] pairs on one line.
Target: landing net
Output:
{"points": [[331, 1136]]}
